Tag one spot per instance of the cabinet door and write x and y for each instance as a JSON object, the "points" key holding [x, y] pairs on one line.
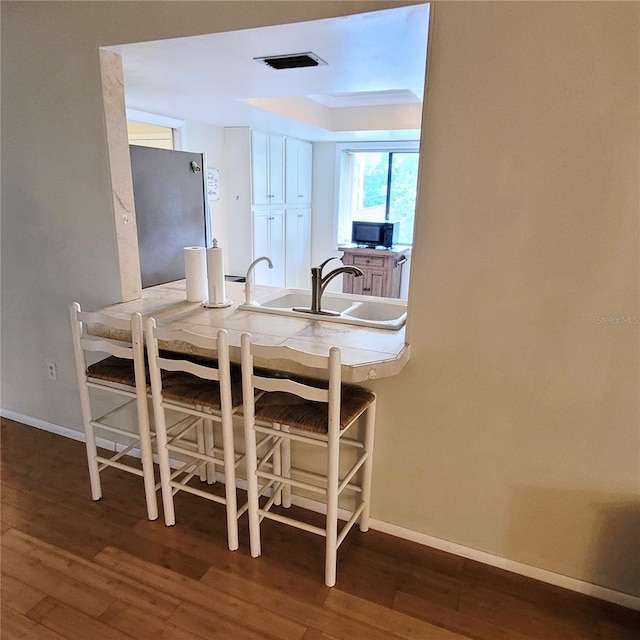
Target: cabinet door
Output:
{"points": [[277, 247], [276, 169], [298, 248], [377, 282], [268, 240], [261, 246], [298, 171], [260, 167], [351, 284], [305, 171]]}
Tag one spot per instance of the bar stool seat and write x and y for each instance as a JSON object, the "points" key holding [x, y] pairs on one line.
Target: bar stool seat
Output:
{"points": [[188, 389], [300, 413], [115, 370]]}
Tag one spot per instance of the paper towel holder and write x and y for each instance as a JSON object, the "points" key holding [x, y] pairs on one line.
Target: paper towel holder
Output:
{"points": [[210, 304], [217, 305]]}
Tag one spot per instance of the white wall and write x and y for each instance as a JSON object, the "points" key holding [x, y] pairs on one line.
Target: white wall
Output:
{"points": [[514, 427], [201, 137], [323, 237]]}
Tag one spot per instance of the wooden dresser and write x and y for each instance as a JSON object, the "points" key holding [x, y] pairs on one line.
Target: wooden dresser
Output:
{"points": [[382, 271]]}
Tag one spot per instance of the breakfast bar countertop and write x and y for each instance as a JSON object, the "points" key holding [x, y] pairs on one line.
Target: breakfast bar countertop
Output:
{"points": [[367, 353]]}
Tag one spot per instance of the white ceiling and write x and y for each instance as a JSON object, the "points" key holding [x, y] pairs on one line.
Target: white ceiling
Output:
{"points": [[371, 88]]}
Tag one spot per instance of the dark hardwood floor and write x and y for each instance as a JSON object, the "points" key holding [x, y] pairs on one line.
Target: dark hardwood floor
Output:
{"points": [[76, 569]]}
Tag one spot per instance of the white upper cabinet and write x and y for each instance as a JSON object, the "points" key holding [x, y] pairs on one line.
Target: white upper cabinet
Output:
{"points": [[267, 164], [298, 172]]}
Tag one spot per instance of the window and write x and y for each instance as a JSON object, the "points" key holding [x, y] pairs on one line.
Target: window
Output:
{"points": [[153, 130], [378, 185], [149, 135]]}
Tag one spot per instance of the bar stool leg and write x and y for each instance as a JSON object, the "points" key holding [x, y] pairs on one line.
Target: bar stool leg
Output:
{"points": [[277, 468], [92, 451], [230, 483], [161, 432], [286, 467], [252, 489], [209, 444], [331, 551], [202, 473], [367, 469], [146, 455]]}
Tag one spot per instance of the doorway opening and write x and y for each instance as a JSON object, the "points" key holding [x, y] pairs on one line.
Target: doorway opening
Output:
{"points": [[349, 103]]}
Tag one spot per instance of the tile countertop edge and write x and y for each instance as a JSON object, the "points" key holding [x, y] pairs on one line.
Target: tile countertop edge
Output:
{"points": [[168, 304], [379, 369]]}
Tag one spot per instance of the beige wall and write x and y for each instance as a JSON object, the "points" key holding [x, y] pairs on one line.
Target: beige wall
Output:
{"points": [[521, 403], [514, 428]]}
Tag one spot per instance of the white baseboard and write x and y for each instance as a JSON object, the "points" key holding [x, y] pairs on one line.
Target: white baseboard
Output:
{"points": [[566, 582], [53, 428], [572, 584]]}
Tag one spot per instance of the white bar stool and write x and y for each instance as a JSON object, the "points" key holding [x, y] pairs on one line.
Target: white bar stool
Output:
{"points": [[122, 374], [200, 391], [307, 412]]}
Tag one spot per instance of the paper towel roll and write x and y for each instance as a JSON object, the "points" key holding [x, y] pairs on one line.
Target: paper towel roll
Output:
{"points": [[215, 275], [195, 271]]}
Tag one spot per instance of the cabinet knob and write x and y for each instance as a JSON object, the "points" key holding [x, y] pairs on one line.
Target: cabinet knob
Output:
{"points": [[367, 261], [366, 288], [300, 196]]}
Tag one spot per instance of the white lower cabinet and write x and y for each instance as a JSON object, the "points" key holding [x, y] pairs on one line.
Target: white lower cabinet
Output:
{"points": [[298, 247], [269, 240]]}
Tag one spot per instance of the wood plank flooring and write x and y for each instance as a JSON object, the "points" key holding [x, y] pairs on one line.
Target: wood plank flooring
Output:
{"points": [[74, 569]]}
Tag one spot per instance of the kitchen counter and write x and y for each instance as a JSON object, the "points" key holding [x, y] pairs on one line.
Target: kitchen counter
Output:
{"points": [[367, 353]]}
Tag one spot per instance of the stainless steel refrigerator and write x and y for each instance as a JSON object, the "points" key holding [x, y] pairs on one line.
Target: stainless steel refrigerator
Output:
{"points": [[171, 210]]}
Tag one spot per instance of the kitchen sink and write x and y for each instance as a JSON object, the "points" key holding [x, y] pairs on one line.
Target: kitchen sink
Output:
{"points": [[376, 311], [302, 299], [364, 311]]}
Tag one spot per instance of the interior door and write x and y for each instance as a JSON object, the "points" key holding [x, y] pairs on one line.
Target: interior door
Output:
{"points": [[171, 210]]}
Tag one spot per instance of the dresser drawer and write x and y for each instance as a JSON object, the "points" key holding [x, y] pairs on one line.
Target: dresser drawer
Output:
{"points": [[369, 261]]}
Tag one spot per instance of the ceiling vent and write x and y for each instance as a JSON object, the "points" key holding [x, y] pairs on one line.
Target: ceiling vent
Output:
{"points": [[292, 61]]}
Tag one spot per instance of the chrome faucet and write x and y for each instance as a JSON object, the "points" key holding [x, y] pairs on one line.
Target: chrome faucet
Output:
{"points": [[319, 284], [247, 283]]}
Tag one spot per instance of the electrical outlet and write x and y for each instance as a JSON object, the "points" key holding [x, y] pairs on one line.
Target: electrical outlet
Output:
{"points": [[52, 370]]}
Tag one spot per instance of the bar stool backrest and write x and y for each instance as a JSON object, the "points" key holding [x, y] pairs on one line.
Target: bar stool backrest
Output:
{"points": [[273, 356], [127, 341], [214, 348]]}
